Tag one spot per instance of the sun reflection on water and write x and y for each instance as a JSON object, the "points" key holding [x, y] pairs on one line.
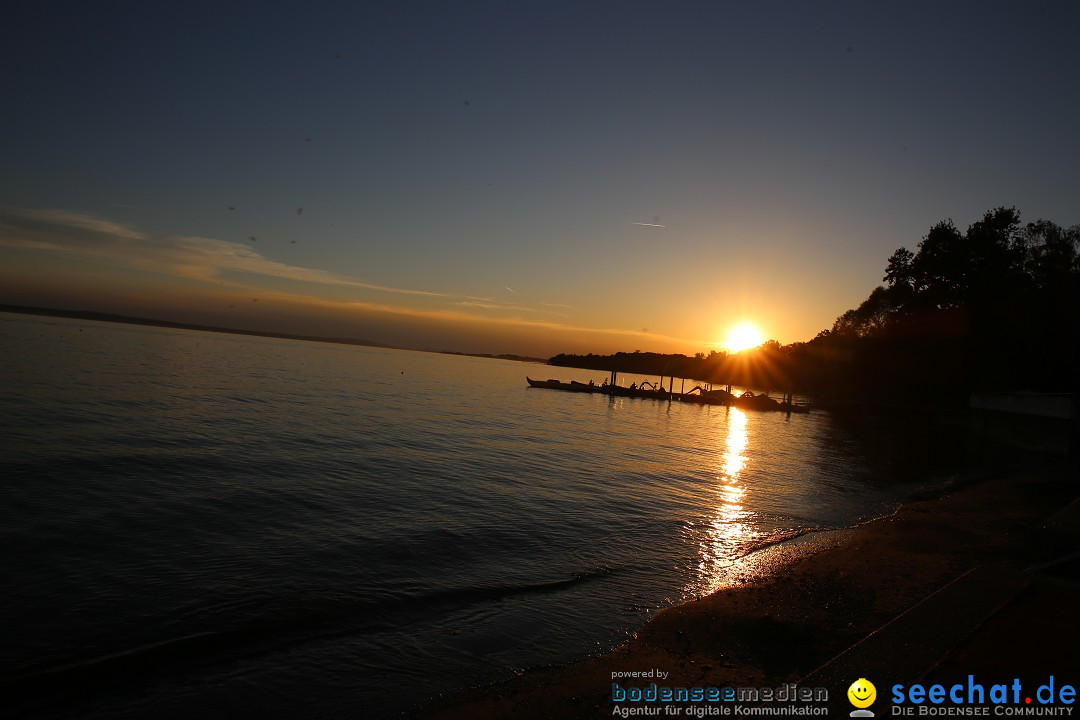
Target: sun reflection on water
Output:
{"points": [[728, 533]]}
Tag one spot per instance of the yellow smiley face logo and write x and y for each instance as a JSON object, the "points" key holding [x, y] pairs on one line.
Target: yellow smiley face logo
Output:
{"points": [[862, 693]]}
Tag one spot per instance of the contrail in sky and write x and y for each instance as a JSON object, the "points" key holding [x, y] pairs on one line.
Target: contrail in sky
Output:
{"points": [[649, 224], [510, 289]]}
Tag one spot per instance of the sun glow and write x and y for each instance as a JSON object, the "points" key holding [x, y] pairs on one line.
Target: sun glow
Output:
{"points": [[743, 336]]}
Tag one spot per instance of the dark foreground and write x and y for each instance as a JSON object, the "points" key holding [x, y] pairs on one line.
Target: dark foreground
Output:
{"points": [[983, 580]]}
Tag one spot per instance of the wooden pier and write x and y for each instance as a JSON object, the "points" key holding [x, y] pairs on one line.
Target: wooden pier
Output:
{"points": [[698, 395]]}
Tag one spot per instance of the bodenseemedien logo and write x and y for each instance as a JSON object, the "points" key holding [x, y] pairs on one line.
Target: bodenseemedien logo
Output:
{"points": [[862, 694]]}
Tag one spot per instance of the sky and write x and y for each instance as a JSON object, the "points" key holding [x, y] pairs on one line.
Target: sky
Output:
{"points": [[519, 177]]}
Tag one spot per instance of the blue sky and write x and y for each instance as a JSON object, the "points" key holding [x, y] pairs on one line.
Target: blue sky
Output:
{"points": [[467, 175]]}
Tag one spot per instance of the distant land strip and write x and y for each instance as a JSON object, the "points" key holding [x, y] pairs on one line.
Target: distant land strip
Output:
{"points": [[504, 356], [109, 317], [127, 320]]}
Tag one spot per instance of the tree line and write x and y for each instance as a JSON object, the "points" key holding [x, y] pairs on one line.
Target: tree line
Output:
{"points": [[995, 307]]}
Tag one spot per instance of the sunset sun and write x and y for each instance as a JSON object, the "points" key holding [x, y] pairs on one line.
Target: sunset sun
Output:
{"points": [[743, 336]]}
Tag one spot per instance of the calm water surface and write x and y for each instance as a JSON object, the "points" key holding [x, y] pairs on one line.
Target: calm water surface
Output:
{"points": [[198, 524]]}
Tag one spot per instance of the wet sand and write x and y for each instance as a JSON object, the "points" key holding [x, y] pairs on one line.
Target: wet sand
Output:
{"points": [[820, 596]]}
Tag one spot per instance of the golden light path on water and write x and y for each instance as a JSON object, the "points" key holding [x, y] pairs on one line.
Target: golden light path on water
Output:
{"points": [[729, 531]]}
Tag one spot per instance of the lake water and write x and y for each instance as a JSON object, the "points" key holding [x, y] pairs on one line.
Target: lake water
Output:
{"points": [[201, 525]]}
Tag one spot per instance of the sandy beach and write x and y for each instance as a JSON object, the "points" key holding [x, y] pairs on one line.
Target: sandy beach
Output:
{"points": [[813, 600]]}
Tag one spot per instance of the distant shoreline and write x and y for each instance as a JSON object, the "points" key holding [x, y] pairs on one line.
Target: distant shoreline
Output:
{"points": [[503, 356], [129, 320]]}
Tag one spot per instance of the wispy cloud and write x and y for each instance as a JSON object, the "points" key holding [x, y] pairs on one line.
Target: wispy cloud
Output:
{"points": [[195, 257], [52, 229], [517, 322], [505, 307]]}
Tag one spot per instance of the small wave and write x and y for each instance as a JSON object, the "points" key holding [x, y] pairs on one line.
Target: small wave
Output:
{"points": [[90, 674], [316, 621], [782, 537], [497, 592], [119, 657]]}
